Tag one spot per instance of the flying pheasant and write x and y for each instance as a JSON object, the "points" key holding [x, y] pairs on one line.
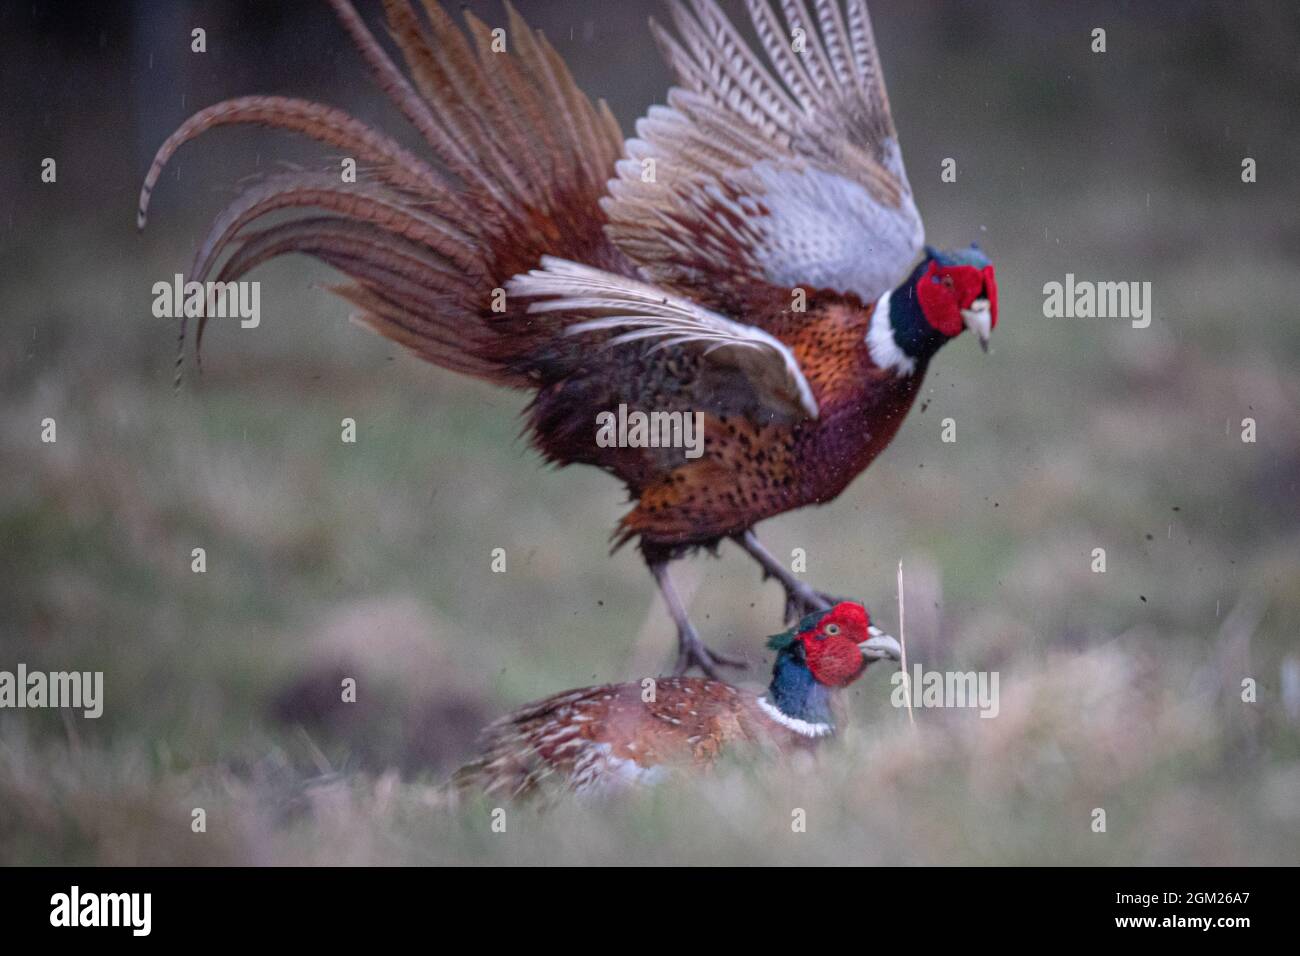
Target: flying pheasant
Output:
{"points": [[753, 256], [597, 740]]}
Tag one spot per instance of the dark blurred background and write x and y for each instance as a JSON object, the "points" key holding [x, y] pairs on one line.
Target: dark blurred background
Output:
{"points": [[371, 560]]}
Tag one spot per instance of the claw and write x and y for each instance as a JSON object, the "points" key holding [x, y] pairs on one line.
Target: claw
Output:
{"points": [[831, 600], [801, 600], [692, 652]]}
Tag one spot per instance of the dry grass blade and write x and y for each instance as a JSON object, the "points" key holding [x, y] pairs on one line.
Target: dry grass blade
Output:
{"points": [[902, 645]]}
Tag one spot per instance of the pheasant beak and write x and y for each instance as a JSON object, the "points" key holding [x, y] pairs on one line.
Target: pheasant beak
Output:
{"points": [[879, 646], [979, 319]]}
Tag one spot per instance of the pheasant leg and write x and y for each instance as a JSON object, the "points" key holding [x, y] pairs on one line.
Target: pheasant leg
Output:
{"points": [[691, 651], [800, 599]]}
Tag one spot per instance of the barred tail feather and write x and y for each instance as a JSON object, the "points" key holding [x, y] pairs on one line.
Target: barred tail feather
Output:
{"points": [[519, 162]]}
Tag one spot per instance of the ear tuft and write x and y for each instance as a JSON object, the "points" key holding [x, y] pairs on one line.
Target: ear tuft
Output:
{"points": [[779, 642]]}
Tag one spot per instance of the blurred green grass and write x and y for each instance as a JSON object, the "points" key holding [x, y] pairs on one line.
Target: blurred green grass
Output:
{"points": [[372, 560]]}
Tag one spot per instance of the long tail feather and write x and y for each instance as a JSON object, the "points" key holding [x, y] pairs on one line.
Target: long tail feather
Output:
{"points": [[393, 164], [519, 162]]}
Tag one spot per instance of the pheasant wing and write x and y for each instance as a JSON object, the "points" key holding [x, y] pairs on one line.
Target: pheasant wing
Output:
{"points": [[591, 301], [776, 170]]}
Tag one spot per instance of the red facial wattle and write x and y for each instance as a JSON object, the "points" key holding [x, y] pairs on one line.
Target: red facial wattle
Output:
{"points": [[944, 291], [832, 648]]}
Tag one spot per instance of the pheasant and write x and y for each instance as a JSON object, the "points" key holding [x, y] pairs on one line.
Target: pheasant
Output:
{"points": [[605, 739], [753, 258]]}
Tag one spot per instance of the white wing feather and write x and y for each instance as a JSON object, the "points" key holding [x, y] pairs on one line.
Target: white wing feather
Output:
{"points": [[646, 313]]}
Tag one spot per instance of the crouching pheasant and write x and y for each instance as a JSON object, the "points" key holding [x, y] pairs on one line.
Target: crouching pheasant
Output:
{"points": [[752, 257], [598, 740]]}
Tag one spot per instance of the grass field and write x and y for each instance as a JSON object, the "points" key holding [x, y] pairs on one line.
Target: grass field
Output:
{"points": [[325, 560]]}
